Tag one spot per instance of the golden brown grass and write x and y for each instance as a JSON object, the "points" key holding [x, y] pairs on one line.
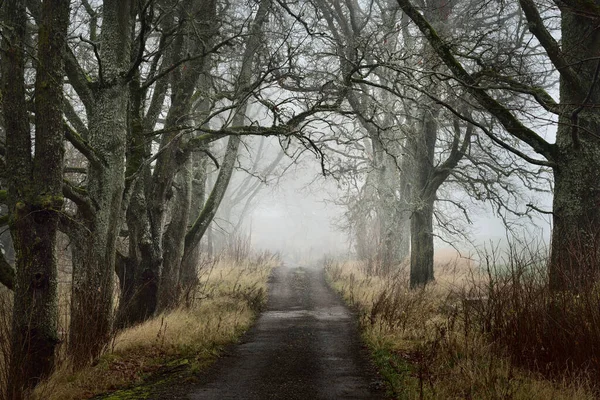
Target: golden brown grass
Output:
{"points": [[225, 303], [426, 344]]}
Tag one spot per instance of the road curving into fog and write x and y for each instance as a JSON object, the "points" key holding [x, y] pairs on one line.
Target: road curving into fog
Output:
{"points": [[304, 346]]}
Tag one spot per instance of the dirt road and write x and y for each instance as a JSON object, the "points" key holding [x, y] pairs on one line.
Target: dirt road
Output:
{"points": [[304, 346]]}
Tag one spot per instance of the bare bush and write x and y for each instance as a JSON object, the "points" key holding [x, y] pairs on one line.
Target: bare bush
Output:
{"points": [[553, 332], [487, 332]]}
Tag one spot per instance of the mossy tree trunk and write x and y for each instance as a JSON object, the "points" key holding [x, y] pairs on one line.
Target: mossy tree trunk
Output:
{"points": [[421, 241], [169, 289], [129, 267], [575, 253], [94, 247], [188, 277], [188, 274], [35, 187], [158, 188], [134, 281]]}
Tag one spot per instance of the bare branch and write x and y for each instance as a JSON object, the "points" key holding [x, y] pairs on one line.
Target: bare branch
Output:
{"points": [[98, 58], [76, 75], [536, 26], [80, 197], [84, 147], [511, 123], [533, 207], [144, 27], [79, 79], [74, 119]]}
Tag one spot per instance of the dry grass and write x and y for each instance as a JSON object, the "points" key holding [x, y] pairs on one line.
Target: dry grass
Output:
{"points": [[225, 303], [432, 343]]}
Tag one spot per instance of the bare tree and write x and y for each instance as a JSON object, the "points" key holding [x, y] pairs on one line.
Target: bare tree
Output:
{"points": [[99, 208], [380, 61], [34, 186], [252, 44], [573, 156]]}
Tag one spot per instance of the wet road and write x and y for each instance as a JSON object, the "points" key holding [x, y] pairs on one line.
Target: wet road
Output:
{"points": [[304, 346]]}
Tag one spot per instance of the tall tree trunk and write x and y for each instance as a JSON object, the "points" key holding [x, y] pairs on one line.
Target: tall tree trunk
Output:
{"points": [[424, 186], [198, 229], [392, 208], [575, 252], [427, 179], [421, 255], [138, 287], [170, 161], [253, 42], [133, 282], [94, 249], [421, 224], [188, 277], [139, 240], [35, 188], [169, 289]]}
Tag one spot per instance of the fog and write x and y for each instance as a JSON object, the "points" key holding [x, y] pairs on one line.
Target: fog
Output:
{"points": [[297, 216]]}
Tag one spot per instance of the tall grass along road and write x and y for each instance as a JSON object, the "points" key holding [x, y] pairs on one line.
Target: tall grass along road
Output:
{"points": [[154, 359], [304, 346], [477, 332]]}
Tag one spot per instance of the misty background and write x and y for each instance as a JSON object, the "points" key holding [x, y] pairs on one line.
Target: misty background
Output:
{"points": [[297, 214]]}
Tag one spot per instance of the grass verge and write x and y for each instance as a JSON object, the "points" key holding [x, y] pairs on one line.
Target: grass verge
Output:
{"points": [[432, 343], [176, 345]]}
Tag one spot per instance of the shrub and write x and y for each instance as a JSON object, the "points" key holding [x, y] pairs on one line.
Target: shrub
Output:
{"points": [[487, 332]]}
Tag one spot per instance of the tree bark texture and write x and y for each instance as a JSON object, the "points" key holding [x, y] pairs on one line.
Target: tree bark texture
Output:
{"points": [[138, 288], [422, 149], [94, 249], [575, 248], [201, 224], [188, 274], [35, 188], [421, 255], [188, 277], [169, 289], [158, 189], [133, 282]]}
